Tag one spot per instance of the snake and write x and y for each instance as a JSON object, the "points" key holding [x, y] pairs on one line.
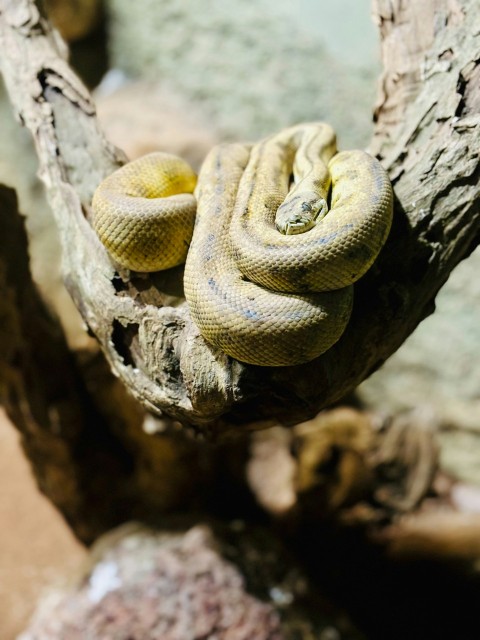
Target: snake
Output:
{"points": [[144, 212], [274, 235]]}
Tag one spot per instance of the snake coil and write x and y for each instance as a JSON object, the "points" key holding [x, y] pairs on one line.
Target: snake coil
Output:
{"points": [[283, 229]]}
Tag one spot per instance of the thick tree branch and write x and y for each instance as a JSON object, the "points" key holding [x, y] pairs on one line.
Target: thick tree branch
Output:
{"points": [[81, 432], [427, 143], [76, 461]]}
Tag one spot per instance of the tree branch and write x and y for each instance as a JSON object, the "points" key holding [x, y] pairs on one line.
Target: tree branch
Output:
{"points": [[427, 138], [81, 432], [77, 462]]}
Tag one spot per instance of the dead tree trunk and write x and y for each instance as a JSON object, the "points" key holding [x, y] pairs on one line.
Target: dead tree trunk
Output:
{"points": [[426, 135], [427, 129], [82, 433]]}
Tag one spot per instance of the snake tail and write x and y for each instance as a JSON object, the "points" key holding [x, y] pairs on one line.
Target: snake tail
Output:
{"points": [[144, 212]]}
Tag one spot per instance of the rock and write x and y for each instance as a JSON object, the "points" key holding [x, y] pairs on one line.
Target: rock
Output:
{"points": [[172, 586], [251, 70]]}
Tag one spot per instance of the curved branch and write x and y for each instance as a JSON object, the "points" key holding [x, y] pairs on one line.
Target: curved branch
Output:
{"points": [[78, 463], [428, 143], [81, 432]]}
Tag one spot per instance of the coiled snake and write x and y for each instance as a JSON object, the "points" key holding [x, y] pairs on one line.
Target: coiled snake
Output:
{"points": [[283, 229]]}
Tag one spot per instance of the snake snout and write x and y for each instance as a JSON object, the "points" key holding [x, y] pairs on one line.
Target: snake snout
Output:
{"points": [[301, 213]]}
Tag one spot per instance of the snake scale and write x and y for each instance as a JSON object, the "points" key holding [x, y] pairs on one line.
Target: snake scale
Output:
{"points": [[274, 235]]}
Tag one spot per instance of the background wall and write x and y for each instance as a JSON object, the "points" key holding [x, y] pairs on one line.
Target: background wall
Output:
{"points": [[252, 68]]}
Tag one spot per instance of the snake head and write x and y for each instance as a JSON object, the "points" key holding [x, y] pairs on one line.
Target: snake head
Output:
{"points": [[300, 213]]}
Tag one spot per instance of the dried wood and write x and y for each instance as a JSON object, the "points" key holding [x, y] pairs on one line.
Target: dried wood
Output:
{"points": [[427, 137]]}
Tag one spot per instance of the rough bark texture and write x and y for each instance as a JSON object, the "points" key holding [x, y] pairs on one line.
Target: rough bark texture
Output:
{"points": [[43, 393], [427, 125], [91, 450]]}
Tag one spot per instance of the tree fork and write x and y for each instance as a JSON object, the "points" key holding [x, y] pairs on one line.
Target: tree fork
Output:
{"points": [[427, 128]]}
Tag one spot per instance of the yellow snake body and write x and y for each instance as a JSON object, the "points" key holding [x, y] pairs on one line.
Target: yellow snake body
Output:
{"points": [[283, 228], [144, 213], [339, 247]]}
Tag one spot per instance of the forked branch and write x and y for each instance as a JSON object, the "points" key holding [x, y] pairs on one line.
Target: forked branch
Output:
{"points": [[427, 133]]}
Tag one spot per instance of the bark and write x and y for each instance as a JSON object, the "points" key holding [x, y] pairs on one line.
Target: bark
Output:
{"points": [[44, 396], [91, 452], [427, 126]]}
